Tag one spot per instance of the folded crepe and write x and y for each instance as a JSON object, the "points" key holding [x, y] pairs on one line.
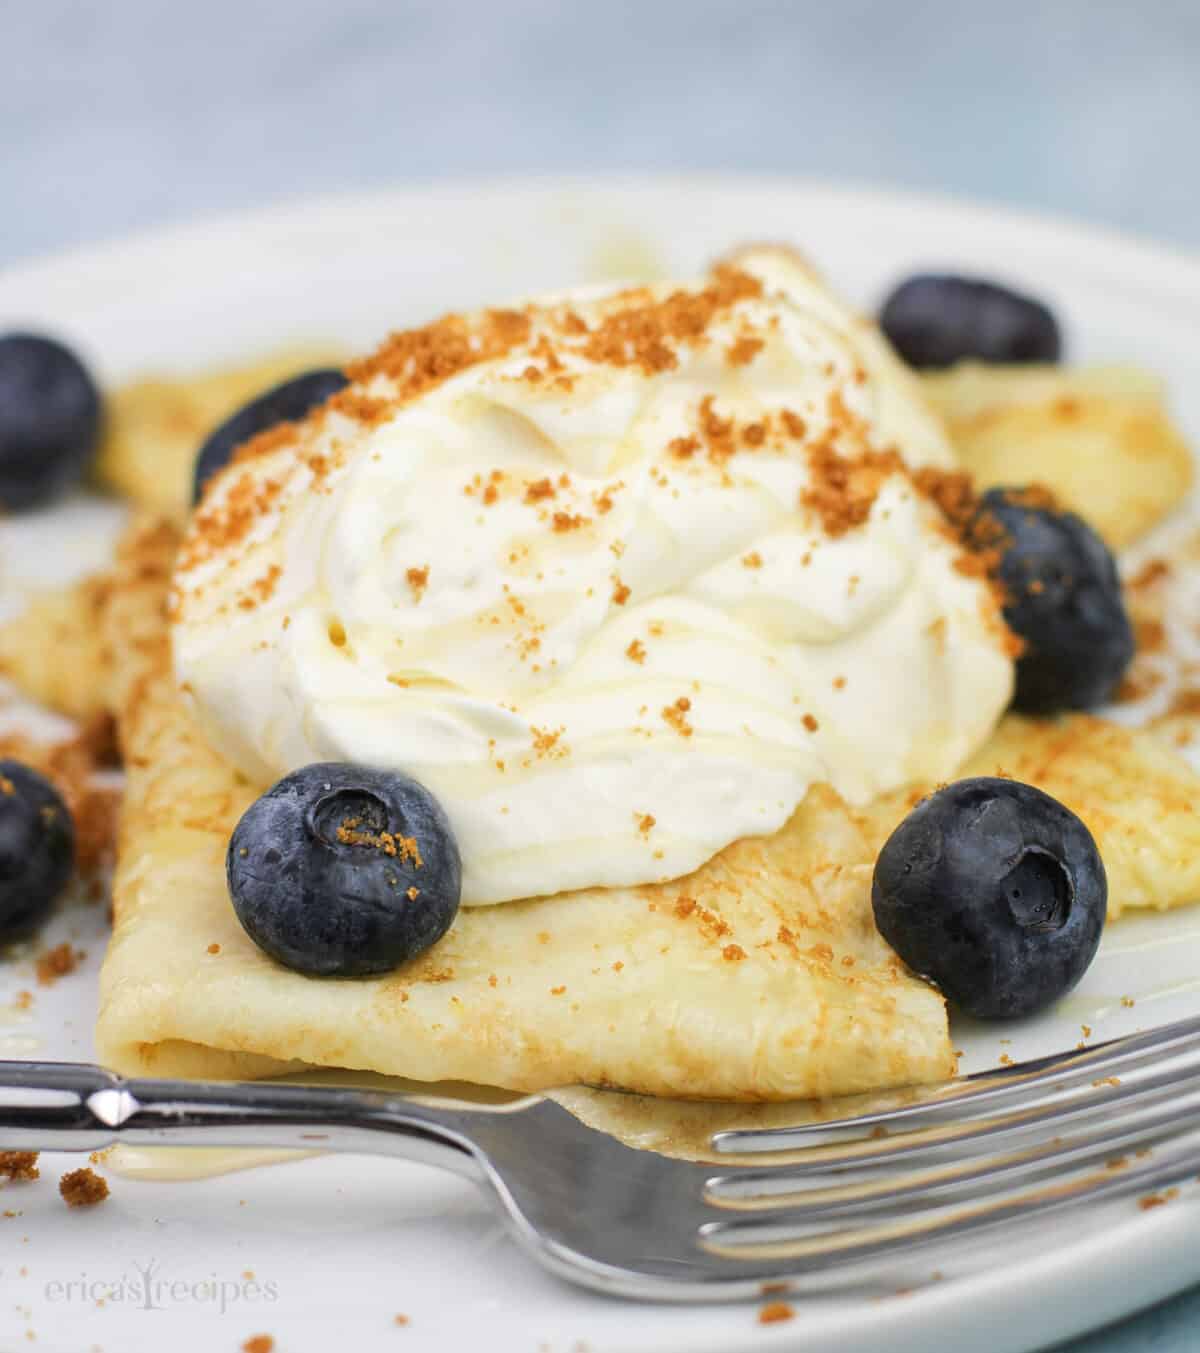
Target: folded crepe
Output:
{"points": [[760, 976]]}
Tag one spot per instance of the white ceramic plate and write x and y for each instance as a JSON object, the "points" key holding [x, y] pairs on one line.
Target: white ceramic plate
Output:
{"points": [[337, 1248]]}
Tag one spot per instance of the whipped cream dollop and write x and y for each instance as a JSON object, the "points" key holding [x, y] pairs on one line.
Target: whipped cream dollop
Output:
{"points": [[617, 575]]}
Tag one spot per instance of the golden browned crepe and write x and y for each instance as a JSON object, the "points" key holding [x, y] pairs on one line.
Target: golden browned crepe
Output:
{"points": [[1099, 437]]}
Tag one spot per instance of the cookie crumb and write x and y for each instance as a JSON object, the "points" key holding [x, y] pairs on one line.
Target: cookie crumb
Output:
{"points": [[774, 1312], [400, 1320], [83, 1187], [1157, 1199], [259, 1343], [58, 962], [19, 1164]]}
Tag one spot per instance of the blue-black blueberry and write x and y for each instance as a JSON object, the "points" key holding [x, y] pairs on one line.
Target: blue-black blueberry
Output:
{"points": [[995, 892], [1062, 598], [283, 403], [37, 849], [342, 870], [935, 320], [50, 419]]}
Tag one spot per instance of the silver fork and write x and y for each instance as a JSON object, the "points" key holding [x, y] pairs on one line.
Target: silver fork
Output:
{"points": [[875, 1201]]}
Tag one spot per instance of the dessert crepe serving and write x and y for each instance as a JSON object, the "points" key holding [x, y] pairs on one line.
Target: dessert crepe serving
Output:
{"points": [[759, 976]]}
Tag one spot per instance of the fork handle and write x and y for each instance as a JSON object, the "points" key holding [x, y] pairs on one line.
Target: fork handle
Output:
{"points": [[71, 1106]]}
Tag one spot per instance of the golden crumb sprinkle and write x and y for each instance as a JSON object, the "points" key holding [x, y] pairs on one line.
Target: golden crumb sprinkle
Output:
{"points": [[557, 991], [361, 407], [400, 1320], [752, 560], [744, 351], [810, 723], [842, 490], [19, 1165], [755, 434], [258, 1343], [23, 1000], [951, 491], [264, 443], [642, 333], [717, 432], [1158, 1199], [83, 1187], [774, 1312], [620, 591], [403, 848], [58, 962], [794, 425], [734, 953], [547, 742], [676, 716], [636, 652], [416, 360], [567, 521], [418, 581], [7, 786], [683, 447], [539, 490], [214, 948], [645, 822]]}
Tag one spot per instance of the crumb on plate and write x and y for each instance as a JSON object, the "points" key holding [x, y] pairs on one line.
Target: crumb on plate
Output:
{"points": [[83, 1187]]}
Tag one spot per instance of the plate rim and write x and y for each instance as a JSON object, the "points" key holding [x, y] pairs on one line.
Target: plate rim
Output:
{"points": [[1047, 226]]}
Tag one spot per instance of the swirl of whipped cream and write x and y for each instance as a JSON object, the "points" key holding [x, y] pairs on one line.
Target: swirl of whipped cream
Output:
{"points": [[618, 576]]}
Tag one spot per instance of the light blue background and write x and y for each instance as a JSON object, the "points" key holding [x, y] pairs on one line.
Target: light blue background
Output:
{"points": [[122, 114], [127, 114]]}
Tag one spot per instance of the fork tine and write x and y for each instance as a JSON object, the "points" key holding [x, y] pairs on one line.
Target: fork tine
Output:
{"points": [[800, 1248], [976, 1134], [1026, 1083], [778, 1190]]}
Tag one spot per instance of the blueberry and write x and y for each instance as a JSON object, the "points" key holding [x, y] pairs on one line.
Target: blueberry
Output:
{"points": [[340, 870], [994, 891], [50, 419], [281, 404], [37, 849], [1063, 598], [935, 320]]}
